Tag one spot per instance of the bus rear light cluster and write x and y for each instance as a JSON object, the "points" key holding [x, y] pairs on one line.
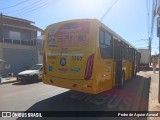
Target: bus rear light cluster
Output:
{"points": [[89, 86], [89, 67], [74, 85]]}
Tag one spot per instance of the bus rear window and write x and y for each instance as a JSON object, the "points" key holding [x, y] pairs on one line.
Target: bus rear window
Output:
{"points": [[69, 35], [69, 25]]}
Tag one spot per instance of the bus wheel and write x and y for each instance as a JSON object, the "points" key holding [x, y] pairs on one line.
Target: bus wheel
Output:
{"points": [[121, 83], [135, 72]]}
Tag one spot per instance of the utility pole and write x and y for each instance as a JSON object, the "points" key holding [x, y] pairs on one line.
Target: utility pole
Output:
{"points": [[158, 35], [158, 21], [150, 48], [1, 29]]}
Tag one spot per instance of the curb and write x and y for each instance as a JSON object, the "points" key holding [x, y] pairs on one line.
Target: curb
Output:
{"points": [[150, 100], [10, 80]]}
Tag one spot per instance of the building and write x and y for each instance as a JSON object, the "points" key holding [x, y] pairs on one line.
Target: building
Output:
{"points": [[40, 42], [18, 44]]}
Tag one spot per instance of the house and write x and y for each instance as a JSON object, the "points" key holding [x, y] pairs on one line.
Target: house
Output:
{"points": [[18, 44]]}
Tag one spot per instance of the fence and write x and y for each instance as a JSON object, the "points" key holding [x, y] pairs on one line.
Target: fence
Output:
{"points": [[32, 42]]}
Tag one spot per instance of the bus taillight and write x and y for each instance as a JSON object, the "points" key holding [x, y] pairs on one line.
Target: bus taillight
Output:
{"points": [[89, 67]]}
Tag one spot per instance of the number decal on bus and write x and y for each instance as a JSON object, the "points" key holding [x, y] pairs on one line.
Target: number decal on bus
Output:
{"points": [[79, 58]]}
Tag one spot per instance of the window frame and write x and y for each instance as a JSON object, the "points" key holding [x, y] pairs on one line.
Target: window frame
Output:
{"points": [[102, 43], [104, 37], [14, 35]]}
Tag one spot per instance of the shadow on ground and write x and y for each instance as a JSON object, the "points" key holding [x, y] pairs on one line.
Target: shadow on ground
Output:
{"points": [[26, 82], [111, 100]]}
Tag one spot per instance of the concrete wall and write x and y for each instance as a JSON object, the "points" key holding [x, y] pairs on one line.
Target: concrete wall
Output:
{"points": [[1, 57], [18, 57], [25, 34], [40, 57]]}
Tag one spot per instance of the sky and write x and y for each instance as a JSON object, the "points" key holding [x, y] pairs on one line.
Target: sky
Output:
{"points": [[128, 18]]}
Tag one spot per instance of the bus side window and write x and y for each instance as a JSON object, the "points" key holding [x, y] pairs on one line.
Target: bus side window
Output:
{"points": [[124, 51], [104, 44], [117, 50], [107, 39]]}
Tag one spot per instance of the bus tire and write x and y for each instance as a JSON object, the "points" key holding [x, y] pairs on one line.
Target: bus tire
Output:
{"points": [[135, 72], [121, 83]]}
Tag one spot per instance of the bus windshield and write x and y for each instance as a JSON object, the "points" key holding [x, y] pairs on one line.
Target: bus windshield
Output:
{"points": [[69, 34]]}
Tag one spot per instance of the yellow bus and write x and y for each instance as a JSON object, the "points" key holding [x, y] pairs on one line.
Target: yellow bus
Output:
{"points": [[87, 56]]}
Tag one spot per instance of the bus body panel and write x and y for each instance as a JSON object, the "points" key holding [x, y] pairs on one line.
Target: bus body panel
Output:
{"points": [[77, 85], [126, 68], [130, 70], [66, 60], [104, 72], [72, 74], [73, 58]]}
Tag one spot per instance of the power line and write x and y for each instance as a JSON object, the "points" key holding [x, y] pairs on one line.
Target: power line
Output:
{"points": [[154, 6], [141, 40], [28, 6], [140, 44], [108, 10], [155, 48], [34, 5], [148, 8], [14, 5], [40, 7]]}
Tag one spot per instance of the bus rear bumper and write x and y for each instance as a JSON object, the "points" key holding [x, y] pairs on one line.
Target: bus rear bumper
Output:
{"points": [[88, 86]]}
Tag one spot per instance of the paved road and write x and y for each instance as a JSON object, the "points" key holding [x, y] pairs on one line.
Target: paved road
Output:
{"points": [[21, 96], [40, 97]]}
